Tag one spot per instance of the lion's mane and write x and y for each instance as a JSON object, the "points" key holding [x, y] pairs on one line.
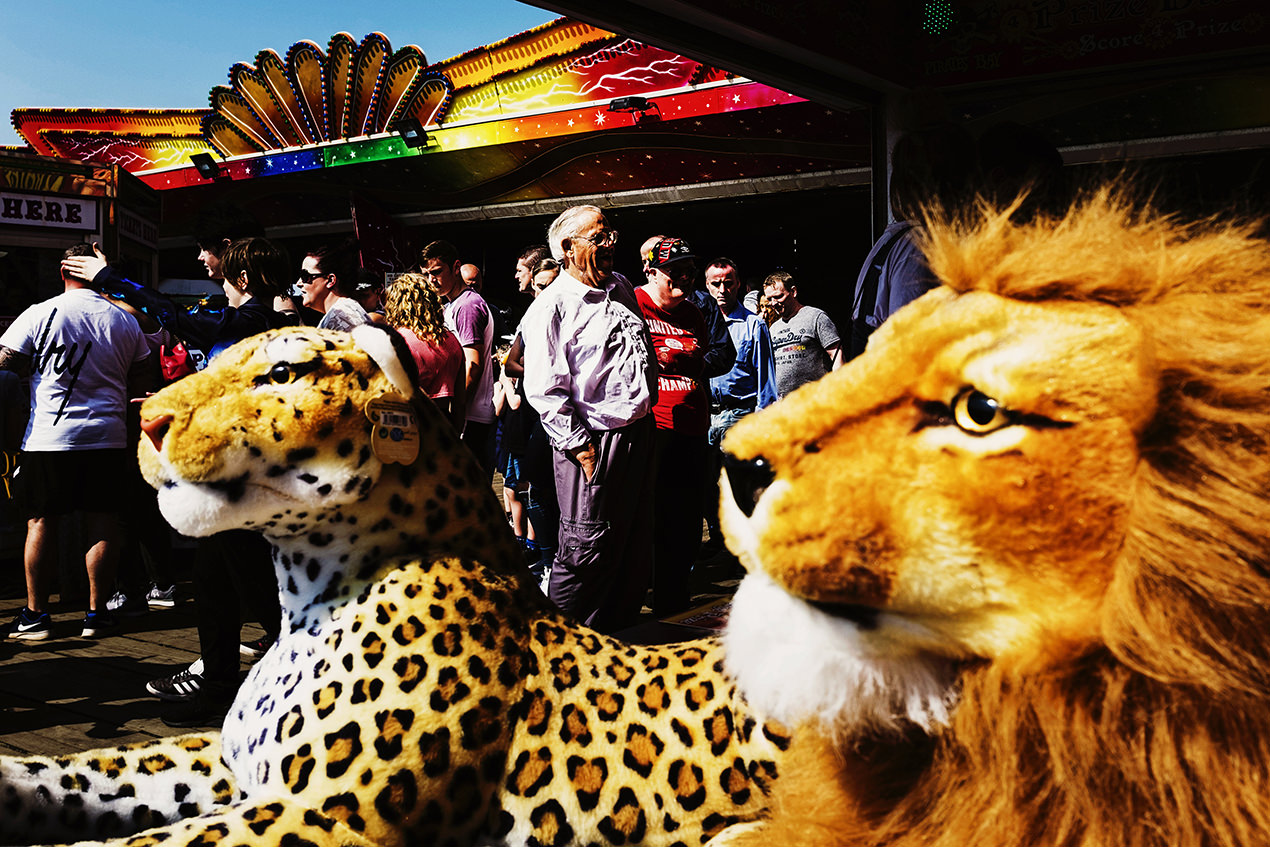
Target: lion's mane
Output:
{"points": [[1160, 735]]}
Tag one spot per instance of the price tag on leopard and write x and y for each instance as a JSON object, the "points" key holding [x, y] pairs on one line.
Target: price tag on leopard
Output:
{"points": [[395, 437]]}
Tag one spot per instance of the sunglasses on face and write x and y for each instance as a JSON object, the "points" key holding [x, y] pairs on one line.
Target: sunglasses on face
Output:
{"points": [[308, 276], [606, 238]]}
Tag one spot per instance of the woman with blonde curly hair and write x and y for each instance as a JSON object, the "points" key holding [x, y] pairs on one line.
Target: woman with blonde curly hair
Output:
{"points": [[413, 307]]}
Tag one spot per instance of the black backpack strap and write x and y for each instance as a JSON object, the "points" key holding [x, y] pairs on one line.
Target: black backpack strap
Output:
{"points": [[860, 329]]}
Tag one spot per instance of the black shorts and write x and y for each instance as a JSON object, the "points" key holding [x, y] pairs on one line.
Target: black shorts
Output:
{"points": [[48, 484]]}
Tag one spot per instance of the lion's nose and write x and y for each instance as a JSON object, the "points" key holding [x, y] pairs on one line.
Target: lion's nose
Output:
{"points": [[156, 428], [748, 478]]}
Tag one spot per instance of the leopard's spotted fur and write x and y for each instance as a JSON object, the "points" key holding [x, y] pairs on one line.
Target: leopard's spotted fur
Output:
{"points": [[422, 691]]}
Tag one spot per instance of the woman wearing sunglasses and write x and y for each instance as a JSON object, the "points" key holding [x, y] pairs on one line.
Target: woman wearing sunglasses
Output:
{"points": [[328, 283]]}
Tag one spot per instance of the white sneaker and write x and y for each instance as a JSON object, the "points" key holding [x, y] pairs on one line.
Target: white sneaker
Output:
{"points": [[161, 598], [127, 606]]}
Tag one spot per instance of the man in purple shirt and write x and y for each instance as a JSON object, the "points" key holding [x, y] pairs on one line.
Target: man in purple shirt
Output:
{"points": [[591, 375], [469, 318]]}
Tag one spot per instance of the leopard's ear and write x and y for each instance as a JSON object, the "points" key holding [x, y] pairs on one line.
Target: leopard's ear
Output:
{"points": [[388, 350]]}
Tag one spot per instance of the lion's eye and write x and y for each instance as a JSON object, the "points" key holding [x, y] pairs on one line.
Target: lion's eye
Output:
{"points": [[977, 413], [282, 373]]}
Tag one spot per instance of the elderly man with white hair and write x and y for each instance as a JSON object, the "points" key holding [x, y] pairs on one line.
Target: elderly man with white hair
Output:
{"points": [[591, 375]]}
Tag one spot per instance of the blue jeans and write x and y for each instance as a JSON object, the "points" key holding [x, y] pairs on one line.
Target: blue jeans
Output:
{"points": [[721, 422]]}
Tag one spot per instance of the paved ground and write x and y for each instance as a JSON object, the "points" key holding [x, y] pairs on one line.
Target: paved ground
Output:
{"points": [[70, 693]]}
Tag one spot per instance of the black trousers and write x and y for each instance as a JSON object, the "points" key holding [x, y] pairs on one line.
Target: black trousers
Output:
{"points": [[479, 438], [544, 511], [679, 473], [233, 575]]}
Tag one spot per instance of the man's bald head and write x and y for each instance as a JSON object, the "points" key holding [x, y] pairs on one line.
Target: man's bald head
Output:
{"points": [[472, 277]]}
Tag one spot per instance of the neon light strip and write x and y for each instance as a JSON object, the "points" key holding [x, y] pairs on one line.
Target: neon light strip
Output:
{"points": [[693, 103], [368, 150], [287, 162], [686, 104], [591, 104]]}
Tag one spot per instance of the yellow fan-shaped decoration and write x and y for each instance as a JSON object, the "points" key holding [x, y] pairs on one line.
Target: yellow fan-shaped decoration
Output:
{"points": [[232, 106], [431, 100], [368, 75], [307, 71], [339, 69], [311, 97], [250, 83], [401, 79], [225, 138], [279, 82]]}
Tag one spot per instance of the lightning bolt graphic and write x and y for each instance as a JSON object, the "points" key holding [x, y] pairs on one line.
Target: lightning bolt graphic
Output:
{"points": [[105, 152], [576, 84], [647, 75]]}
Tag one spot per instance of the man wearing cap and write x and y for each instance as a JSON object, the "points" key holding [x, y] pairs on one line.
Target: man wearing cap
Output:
{"points": [[681, 414], [721, 352], [369, 293], [590, 374]]}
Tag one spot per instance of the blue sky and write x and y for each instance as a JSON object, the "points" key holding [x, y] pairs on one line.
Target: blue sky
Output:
{"points": [[150, 54]]}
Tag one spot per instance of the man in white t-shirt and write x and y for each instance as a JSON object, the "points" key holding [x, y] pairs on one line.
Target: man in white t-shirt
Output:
{"points": [[85, 359]]}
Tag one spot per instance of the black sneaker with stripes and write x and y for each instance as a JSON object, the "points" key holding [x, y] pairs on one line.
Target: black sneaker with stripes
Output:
{"points": [[182, 685]]}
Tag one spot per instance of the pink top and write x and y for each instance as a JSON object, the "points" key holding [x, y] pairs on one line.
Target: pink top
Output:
{"points": [[438, 363]]}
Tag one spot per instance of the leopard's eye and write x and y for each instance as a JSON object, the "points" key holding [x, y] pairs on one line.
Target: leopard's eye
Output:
{"points": [[282, 373], [977, 413]]}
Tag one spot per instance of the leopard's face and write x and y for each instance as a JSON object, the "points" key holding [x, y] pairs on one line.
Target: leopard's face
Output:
{"points": [[273, 433]]}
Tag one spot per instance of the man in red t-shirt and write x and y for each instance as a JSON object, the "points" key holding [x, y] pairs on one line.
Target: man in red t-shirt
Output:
{"points": [[682, 415]]}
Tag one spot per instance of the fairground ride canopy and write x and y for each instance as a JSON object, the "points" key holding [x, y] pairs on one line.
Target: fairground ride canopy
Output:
{"points": [[563, 110], [1098, 78]]}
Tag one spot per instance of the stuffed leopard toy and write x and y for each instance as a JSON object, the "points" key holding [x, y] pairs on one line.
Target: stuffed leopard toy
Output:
{"points": [[422, 691]]}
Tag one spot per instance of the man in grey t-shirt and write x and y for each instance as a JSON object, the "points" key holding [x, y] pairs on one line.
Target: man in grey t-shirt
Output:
{"points": [[805, 341]]}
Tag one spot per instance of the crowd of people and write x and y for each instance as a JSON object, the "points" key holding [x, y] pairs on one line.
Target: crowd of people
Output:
{"points": [[603, 412]]}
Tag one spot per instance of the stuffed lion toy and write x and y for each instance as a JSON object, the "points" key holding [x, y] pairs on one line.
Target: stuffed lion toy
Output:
{"points": [[1009, 568], [422, 690]]}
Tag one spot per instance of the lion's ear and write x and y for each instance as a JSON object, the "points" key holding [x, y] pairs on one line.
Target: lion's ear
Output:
{"points": [[378, 343]]}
